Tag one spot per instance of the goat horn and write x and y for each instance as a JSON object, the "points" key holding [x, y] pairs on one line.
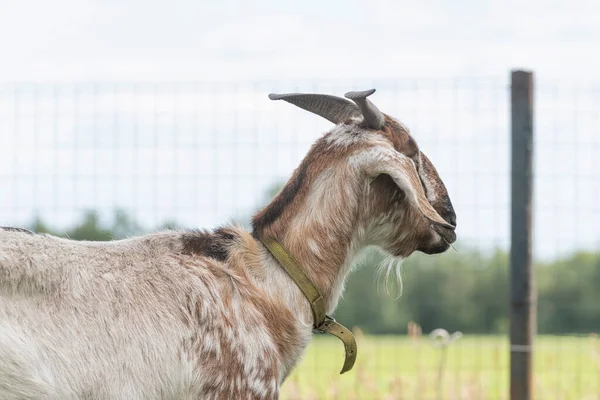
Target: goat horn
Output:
{"points": [[332, 108], [373, 117]]}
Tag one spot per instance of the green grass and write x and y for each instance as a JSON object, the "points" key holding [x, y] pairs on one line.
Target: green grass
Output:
{"points": [[476, 367]]}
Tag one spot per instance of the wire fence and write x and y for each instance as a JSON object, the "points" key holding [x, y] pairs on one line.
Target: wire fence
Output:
{"points": [[203, 154]]}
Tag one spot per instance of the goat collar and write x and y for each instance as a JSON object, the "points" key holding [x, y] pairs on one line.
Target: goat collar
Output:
{"points": [[323, 323]]}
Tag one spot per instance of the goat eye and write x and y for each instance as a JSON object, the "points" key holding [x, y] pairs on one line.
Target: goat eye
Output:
{"points": [[413, 155]]}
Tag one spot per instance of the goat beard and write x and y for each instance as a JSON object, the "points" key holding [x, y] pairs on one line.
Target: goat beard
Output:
{"points": [[387, 272]]}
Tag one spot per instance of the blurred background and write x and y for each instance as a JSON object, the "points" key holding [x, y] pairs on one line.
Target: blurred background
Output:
{"points": [[119, 118]]}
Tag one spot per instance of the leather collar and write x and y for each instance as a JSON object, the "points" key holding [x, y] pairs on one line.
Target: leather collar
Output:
{"points": [[322, 322]]}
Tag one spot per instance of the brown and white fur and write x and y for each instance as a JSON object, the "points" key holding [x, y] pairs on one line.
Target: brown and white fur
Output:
{"points": [[211, 315]]}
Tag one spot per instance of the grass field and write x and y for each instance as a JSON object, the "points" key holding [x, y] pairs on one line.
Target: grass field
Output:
{"points": [[476, 367]]}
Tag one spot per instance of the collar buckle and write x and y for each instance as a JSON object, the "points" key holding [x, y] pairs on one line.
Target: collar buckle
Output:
{"points": [[325, 324]]}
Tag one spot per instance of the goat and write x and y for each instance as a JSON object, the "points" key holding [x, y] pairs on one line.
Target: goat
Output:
{"points": [[186, 314]]}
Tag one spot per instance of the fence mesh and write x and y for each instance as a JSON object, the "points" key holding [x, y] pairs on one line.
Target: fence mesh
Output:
{"points": [[146, 155]]}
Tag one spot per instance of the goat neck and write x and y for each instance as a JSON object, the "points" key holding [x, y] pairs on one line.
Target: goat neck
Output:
{"points": [[317, 218]]}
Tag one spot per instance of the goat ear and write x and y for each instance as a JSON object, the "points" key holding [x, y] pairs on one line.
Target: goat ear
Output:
{"points": [[377, 161]]}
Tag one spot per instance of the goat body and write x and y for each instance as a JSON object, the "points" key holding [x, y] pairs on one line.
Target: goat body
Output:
{"points": [[211, 315], [144, 318]]}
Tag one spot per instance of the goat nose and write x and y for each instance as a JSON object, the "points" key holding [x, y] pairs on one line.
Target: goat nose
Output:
{"points": [[450, 218]]}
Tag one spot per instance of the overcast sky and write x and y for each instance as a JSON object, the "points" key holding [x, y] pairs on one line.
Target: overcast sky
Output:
{"points": [[223, 40], [202, 154]]}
